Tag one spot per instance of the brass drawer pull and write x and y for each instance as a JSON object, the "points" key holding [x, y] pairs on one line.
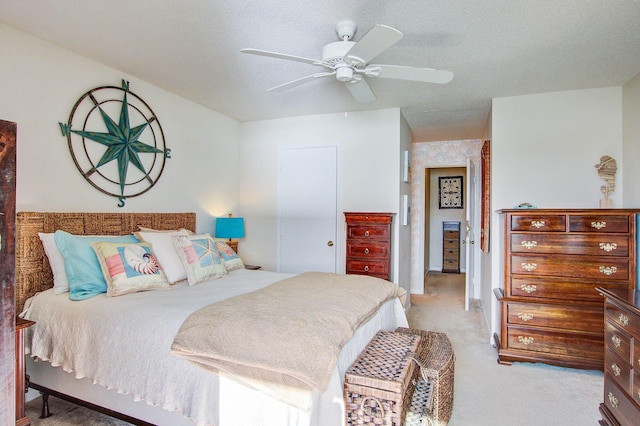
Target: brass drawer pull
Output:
{"points": [[616, 369], [529, 244], [608, 270], [529, 288], [599, 225], [366, 251], [529, 266], [366, 268], [525, 340], [616, 342], [624, 320], [525, 317], [538, 223], [366, 233], [613, 400], [608, 247]]}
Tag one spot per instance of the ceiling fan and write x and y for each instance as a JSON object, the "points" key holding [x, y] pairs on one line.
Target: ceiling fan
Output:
{"points": [[349, 61]]}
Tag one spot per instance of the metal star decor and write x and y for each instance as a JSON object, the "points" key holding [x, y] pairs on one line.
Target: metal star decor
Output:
{"points": [[122, 142]]}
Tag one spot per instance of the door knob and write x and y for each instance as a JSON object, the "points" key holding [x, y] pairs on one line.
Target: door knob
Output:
{"points": [[330, 243]]}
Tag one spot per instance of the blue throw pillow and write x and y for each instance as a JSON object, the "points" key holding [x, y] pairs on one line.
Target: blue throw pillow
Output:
{"points": [[81, 263]]}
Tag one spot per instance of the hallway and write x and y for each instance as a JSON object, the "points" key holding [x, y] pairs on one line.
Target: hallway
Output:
{"points": [[486, 392]]}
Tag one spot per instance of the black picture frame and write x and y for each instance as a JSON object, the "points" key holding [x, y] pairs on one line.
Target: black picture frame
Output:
{"points": [[450, 192]]}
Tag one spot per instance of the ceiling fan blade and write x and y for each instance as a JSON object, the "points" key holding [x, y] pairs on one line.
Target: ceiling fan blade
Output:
{"points": [[299, 81], [374, 42], [426, 75], [361, 91], [285, 56]]}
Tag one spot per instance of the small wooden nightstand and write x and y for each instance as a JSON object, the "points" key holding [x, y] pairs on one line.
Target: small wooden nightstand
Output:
{"points": [[21, 418], [252, 267]]}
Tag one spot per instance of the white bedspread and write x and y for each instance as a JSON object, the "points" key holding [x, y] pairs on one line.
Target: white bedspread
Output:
{"points": [[123, 343]]}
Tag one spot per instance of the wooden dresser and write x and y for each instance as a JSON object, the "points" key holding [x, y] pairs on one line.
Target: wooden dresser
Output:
{"points": [[368, 249], [621, 404], [451, 247], [553, 262]]}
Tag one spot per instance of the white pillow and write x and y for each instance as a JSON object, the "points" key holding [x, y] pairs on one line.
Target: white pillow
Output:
{"points": [[162, 245], [56, 260]]}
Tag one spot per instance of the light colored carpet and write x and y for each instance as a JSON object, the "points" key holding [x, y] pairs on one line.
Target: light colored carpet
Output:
{"points": [[485, 393]]}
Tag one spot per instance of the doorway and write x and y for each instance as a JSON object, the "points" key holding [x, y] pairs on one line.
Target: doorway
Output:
{"points": [[428, 157]]}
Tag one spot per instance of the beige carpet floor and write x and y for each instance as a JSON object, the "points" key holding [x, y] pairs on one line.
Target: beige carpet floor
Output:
{"points": [[485, 393]]}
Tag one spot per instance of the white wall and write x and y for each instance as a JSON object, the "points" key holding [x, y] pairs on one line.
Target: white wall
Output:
{"points": [[402, 250], [41, 83], [631, 142], [369, 158], [544, 148], [438, 215]]}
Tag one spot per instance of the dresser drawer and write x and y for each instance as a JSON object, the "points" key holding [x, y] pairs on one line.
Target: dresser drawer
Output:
{"points": [[620, 405], [367, 249], [636, 355], [596, 245], [617, 341], [451, 235], [611, 268], [559, 288], [636, 386], [622, 319], [619, 370], [451, 245], [374, 232], [567, 317], [555, 342], [367, 218], [533, 222], [593, 223], [369, 267]]}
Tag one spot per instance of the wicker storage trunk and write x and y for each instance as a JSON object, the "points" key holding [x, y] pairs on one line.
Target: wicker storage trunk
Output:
{"points": [[378, 387], [438, 362]]}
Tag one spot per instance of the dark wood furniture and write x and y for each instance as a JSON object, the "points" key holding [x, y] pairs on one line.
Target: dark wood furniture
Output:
{"points": [[21, 418], [7, 271], [451, 247], [621, 404], [368, 250], [553, 262]]}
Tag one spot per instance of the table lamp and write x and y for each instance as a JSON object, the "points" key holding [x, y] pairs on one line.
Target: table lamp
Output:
{"points": [[229, 227]]}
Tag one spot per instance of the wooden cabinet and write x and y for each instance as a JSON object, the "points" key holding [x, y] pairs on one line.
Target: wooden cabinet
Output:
{"points": [[451, 247], [368, 248], [21, 418], [553, 262], [621, 404]]}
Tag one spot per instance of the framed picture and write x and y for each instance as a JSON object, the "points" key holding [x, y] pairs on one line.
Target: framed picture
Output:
{"points": [[450, 192], [405, 167]]}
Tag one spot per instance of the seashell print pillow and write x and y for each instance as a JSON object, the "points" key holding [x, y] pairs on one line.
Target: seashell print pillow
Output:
{"points": [[129, 267], [200, 257]]}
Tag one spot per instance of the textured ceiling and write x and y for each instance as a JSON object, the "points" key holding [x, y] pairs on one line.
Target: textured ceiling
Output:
{"points": [[495, 48]]}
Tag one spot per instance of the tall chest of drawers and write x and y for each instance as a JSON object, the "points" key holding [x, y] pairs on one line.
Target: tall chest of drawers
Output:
{"points": [[553, 262], [451, 247], [368, 249], [621, 404]]}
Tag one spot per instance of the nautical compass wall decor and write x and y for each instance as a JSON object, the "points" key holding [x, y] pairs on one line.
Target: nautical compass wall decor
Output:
{"points": [[110, 129]]}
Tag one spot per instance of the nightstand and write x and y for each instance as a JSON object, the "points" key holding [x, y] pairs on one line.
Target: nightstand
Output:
{"points": [[21, 418], [252, 267]]}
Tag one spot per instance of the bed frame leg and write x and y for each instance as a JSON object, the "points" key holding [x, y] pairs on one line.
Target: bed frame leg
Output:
{"points": [[45, 406]]}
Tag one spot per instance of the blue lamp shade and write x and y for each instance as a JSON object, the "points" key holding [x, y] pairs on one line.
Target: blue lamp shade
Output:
{"points": [[229, 227]]}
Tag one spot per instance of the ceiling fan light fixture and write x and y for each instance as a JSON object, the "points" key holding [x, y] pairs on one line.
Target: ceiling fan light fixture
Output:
{"points": [[344, 73]]}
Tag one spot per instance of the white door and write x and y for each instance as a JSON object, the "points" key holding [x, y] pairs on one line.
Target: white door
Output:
{"points": [[471, 232], [308, 210]]}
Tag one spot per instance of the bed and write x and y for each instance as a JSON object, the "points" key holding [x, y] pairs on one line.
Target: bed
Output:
{"points": [[133, 373]]}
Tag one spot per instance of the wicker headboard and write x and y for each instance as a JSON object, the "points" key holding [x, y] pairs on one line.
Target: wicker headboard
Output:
{"points": [[33, 273]]}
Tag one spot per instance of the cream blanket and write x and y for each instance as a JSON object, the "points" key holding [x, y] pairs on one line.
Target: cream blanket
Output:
{"points": [[286, 337]]}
